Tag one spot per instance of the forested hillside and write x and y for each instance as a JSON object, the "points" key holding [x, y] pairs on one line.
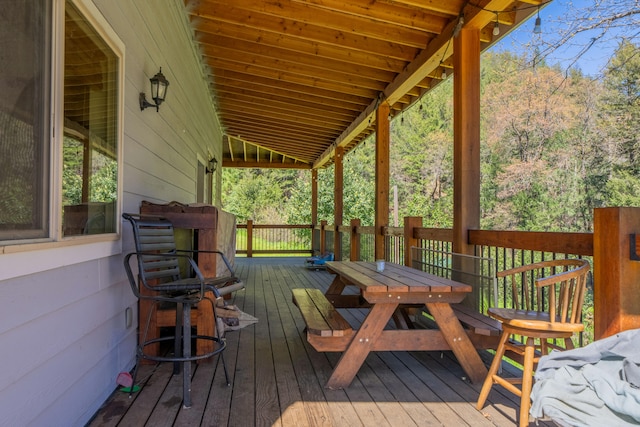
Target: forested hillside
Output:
{"points": [[554, 145]]}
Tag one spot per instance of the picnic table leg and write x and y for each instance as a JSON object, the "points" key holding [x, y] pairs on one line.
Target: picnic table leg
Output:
{"points": [[359, 348], [458, 341], [402, 320], [336, 287]]}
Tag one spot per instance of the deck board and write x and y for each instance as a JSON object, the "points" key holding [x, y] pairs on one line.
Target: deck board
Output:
{"points": [[277, 378]]}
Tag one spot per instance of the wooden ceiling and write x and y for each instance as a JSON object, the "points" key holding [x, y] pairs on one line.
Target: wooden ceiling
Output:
{"points": [[293, 79]]}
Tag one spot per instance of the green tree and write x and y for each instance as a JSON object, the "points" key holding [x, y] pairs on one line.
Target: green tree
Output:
{"points": [[621, 105], [421, 158]]}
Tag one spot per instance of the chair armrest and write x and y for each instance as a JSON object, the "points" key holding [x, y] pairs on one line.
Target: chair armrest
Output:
{"points": [[213, 251], [178, 285]]}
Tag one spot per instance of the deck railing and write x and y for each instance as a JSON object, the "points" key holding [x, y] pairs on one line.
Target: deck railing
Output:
{"points": [[267, 239], [613, 302]]}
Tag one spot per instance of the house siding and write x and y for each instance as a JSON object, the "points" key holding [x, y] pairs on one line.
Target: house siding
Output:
{"points": [[62, 324]]}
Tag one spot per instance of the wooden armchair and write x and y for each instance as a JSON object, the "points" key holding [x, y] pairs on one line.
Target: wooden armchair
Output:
{"points": [[547, 298]]}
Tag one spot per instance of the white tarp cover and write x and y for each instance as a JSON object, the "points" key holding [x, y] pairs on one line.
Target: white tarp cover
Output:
{"points": [[597, 385]]}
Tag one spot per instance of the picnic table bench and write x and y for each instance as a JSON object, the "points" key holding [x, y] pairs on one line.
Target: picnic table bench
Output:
{"points": [[480, 274], [320, 316]]}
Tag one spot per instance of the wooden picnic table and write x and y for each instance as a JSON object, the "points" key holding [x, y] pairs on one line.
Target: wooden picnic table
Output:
{"points": [[384, 292]]}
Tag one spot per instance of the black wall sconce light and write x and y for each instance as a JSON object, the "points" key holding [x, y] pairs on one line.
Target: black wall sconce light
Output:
{"points": [[159, 85], [213, 165]]}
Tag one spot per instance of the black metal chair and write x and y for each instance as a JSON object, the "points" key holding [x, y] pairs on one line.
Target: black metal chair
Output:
{"points": [[163, 282]]}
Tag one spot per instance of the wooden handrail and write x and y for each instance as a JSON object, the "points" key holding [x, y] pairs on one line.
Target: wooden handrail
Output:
{"points": [[558, 242], [567, 243], [274, 226]]}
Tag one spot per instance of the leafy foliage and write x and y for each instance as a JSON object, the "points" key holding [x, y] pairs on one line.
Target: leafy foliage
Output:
{"points": [[554, 145]]}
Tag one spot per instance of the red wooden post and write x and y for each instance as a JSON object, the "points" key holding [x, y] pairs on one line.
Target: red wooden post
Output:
{"points": [[354, 245], [382, 179], [338, 191], [616, 294], [466, 137], [323, 237], [410, 224], [314, 207], [249, 238]]}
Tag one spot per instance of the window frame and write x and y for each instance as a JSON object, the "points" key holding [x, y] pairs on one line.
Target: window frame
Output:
{"points": [[99, 245]]}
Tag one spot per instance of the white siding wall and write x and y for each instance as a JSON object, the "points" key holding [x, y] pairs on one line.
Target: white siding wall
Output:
{"points": [[62, 322]]}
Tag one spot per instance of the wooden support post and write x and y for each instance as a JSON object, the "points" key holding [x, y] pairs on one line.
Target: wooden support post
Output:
{"points": [[323, 237], [338, 191], [314, 208], [382, 179], [354, 254], [616, 277], [249, 238], [410, 224], [466, 137]]}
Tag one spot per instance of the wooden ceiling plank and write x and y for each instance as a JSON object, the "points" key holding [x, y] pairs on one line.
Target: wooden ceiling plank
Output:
{"points": [[292, 140], [286, 122], [315, 33], [287, 109], [297, 44], [292, 147], [308, 14], [295, 104], [370, 80], [220, 65], [265, 68], [254, 83], [270, 142], [388, 13], [240, 108], [309, 130], [266, 165], [256, 123], [446, 7], [293, 144], [244, 51]]}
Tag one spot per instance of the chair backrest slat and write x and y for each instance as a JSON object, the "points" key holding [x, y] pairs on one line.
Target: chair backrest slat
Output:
{"points": [[155, 235], [563, 282]]}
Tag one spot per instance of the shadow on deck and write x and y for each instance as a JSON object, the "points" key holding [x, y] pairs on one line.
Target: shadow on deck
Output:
{"points": [[277, 377]]}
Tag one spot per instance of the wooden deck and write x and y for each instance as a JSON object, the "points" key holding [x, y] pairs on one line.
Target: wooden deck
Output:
{"points": [[277, 377]]}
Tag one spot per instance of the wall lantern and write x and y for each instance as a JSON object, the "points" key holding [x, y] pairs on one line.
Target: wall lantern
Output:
{"points": [[159, 85], [213, 165]]}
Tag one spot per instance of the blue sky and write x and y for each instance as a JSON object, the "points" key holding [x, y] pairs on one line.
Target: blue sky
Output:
{"points": [[554, 16]]}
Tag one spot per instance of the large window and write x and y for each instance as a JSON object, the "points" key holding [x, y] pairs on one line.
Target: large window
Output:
{"points": [[90, 147], [25, 46], [88, 181]]}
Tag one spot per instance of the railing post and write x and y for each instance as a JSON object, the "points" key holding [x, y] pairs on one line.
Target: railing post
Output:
{"points": [[314, 208], [354, 245], [249, 238], [323, 237], [338, 200], [616, 277], [410, 223]]}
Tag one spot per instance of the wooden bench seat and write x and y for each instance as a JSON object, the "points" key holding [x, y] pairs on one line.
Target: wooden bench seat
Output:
{"points": [[320, 316], [483, 331], [477, 322]]}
